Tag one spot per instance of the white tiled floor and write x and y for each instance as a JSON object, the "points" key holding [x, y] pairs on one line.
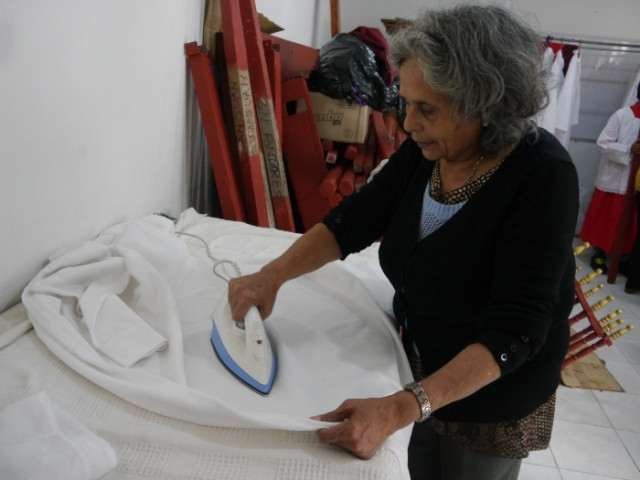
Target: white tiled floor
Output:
{"points": [[596, 435]]}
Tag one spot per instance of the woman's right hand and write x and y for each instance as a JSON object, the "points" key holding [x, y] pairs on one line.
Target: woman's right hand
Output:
{"points": [[309, 252], [258, 289]]}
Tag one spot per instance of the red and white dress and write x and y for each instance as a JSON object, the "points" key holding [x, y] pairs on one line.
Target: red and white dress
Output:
{"points": [[600, 224]]}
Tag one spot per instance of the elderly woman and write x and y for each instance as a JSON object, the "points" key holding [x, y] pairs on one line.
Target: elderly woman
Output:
{"points": [[477, 210]]}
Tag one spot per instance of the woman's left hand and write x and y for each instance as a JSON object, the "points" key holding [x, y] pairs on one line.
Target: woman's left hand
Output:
{"points": [[364, 424]]}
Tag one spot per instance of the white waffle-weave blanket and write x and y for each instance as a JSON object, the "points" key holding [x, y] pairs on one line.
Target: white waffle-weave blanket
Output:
{"points": [[332, 339]]}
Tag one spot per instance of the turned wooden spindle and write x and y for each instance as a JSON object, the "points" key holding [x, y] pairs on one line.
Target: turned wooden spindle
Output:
{"points": [[598, 305], [597, 333], [584, 340], [589, 292], [622, 331], [586, 279], [581, 248], [593, 290], [609, 317], [578, 336], [585, 351], [610, 326], [606, 340], [592, 308]]}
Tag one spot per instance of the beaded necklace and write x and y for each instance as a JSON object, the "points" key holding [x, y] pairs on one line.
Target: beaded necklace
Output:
{"points": [[464, 192]]}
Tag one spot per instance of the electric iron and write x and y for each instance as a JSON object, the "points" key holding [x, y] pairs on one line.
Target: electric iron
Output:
{"points": [[244, 348]]}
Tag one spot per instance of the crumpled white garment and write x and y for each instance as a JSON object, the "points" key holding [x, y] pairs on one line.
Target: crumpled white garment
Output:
{"points": [[41, 441], [89, 282], [332, 340]]}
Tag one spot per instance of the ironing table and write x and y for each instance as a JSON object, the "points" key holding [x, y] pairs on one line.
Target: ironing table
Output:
{"points": [[157, 397]]}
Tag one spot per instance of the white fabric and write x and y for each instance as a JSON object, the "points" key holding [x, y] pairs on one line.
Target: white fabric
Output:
{"points": [[40, 441], [16, 324], [91, 280], [332, 340], [631, 94], [614, 143], [547, 117], [568, 106], [151, 446]]}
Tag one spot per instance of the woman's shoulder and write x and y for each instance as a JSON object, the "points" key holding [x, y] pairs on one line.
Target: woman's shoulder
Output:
{"points": [[543, 148]]}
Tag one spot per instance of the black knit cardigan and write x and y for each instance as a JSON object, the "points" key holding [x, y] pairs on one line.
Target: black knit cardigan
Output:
{"points": [[500, 272]]}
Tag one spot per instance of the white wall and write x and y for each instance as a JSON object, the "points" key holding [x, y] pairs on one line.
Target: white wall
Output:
{"points": [[297, 17], [615, 19], [92, 121]]}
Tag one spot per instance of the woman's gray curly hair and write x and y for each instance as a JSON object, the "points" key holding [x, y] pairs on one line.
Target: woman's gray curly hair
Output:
{"points": [[486, 61]]}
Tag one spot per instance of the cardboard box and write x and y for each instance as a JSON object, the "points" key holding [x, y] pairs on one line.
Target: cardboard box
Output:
{"points": [[338, 120]]}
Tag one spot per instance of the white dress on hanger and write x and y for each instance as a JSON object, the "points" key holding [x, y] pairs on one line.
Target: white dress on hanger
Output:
{"points": [[547, 117], [569, 100]]}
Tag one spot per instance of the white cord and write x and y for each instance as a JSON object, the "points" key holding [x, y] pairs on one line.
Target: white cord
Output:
{"points": [[216, 262]]}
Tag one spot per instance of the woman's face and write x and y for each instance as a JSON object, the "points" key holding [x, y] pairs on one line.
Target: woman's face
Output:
{"points": [[431, 121]]}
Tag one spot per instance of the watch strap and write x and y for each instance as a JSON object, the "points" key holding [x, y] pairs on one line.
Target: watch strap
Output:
{"points": [[423, 400]]}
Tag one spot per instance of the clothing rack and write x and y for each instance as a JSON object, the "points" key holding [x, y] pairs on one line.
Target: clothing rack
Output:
{"points": [[597, 44]]}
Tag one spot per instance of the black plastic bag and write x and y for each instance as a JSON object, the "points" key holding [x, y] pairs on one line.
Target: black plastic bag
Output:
{"points": [[347, 69]]}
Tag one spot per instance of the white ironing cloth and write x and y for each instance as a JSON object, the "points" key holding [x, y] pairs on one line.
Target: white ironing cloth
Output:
{"points": [[332, 339], [38, 440]]}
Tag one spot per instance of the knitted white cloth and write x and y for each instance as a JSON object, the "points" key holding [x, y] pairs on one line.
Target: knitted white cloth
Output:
{"points": [[39, 440], [332, 339]]}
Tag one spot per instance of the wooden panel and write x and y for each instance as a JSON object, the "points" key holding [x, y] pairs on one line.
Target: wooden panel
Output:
{"points": [[347, 184], [369, 159], [303, 152], [384, 138], [272, 57], [297, 60], [329, 184], [214, 130], [265, 113], [335, 17], [252, 167]]}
